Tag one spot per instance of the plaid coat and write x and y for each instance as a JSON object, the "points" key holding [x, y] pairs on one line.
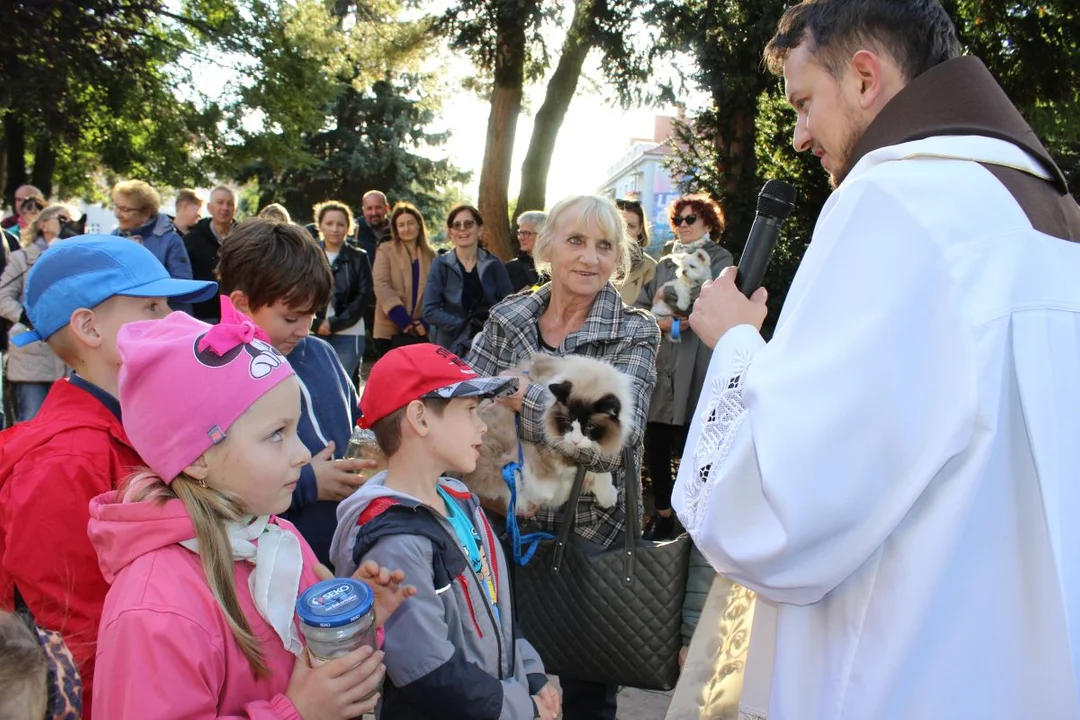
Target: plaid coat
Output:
{"points": [[626, 337]]}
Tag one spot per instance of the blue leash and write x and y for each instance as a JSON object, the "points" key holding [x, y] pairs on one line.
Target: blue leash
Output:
{"points": [[511, 472]]}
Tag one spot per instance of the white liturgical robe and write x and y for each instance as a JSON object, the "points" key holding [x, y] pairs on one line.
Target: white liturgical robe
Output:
{"points": [[898, 469]]}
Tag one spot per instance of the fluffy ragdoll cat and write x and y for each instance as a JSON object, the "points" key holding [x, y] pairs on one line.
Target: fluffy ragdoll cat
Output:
{"points": [[591, 408], [692, 271]]}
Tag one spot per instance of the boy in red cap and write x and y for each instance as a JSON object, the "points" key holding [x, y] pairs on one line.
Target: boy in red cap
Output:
{"points": [[453, 650]]}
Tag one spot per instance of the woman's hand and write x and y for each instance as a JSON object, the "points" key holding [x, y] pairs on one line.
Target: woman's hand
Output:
{"points": [[386, 583], [324, 328], [343, 688], [514, 401]]}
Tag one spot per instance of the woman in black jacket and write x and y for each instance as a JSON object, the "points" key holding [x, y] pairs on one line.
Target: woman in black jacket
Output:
{"points": [[342, 324]]}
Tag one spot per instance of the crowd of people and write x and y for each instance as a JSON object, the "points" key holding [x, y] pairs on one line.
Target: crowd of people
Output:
{"points": [[892, 473]]}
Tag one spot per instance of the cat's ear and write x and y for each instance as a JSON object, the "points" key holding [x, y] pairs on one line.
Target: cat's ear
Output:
{"points": [[561, 390], [608, 405]]}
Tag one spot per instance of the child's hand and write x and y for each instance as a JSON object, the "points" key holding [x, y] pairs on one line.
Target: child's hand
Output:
{"points": [[337, 479], [343, 688], [389, 592], [543, 709], [550, 697]]}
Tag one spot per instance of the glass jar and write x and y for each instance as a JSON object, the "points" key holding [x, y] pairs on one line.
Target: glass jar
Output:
{"points": [[337, 616], [362, 444]]}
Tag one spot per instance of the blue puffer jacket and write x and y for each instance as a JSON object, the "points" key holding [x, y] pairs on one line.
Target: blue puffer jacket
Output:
{"points": [[452, 325], [160, 237]]}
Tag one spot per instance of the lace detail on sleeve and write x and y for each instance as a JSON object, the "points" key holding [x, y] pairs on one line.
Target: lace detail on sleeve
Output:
{"points": [[720, 422]]}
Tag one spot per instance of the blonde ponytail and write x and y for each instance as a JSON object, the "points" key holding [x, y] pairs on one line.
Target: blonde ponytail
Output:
{"points": [[210, 510]]}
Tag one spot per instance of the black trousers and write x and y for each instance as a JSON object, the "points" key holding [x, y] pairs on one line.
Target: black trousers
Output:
{"points": [[662, 443], [384, 345], [588, 700]]}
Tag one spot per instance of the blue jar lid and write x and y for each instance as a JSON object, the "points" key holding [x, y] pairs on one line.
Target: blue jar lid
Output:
{"points": [[336, 602]]}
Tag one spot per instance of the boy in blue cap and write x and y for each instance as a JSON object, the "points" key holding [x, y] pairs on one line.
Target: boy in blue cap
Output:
{"points": [[78, 295]]}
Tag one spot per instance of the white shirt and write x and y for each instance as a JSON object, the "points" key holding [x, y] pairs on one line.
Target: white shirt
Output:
{"points": [[899, 468]]}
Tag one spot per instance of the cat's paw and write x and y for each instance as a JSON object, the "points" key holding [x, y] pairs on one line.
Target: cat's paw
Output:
{"points": [[603, 489]]}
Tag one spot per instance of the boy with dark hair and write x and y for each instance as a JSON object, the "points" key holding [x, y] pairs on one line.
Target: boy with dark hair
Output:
{"points": [[78, 295], [453, 650], [275, 274]]}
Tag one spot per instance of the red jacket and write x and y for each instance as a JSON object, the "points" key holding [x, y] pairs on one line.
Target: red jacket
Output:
{"points": [[50, 469]]}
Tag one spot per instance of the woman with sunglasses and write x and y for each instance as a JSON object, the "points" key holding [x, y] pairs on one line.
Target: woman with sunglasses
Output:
{"points": [[463, 284], [642, 266], [400, 275], [683, 360], [32, 369]]}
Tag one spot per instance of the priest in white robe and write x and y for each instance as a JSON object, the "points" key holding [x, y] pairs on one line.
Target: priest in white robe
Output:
{"points": [[897, 472]]}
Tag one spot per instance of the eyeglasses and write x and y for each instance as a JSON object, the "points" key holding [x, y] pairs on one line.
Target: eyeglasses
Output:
{"points": [[126, 210], [525, 233], [688, 219], [463, 225]]}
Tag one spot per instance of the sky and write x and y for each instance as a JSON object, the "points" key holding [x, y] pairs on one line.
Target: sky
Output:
{"points": [[592, 139]]}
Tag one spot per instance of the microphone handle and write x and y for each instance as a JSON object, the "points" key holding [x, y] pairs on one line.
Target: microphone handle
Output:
{"points": [[757, 254]]}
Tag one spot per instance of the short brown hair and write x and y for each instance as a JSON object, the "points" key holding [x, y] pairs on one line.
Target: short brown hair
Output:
{"points": [[705, 208], [187, 196], [24, 669], [141, 193], [388, 429], [917, 34], [274, 262]]}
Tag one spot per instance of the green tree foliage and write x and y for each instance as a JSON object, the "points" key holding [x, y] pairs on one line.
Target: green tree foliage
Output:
{"points": [[1029, 46], [90, 85]]}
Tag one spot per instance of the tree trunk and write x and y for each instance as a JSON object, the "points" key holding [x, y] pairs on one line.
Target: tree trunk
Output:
{"points": [[549, 119], [15, 141], [506, 94], [44, 165]]}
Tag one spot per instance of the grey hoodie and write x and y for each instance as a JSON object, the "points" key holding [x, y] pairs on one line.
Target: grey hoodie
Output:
{"points": [[447, 654]]}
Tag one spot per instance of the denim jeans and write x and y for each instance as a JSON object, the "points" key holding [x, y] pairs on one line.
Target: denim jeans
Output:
{"points": [[350, 351], [28, 399]]}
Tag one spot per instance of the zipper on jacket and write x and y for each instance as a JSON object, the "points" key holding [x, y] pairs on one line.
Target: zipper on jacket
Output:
{"points": [[480, 583]]}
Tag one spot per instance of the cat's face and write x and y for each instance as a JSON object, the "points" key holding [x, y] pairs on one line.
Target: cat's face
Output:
{"points": [[581, 422]]}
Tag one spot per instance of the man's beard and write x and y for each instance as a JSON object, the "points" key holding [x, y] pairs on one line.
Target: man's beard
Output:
{"points": [[844, 166]]}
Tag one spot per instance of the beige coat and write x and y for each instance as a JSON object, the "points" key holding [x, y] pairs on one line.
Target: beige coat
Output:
{"points": [[392, 277], [636, 279], [35, 362]]}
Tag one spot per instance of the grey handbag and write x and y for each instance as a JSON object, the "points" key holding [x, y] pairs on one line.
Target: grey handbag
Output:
{"points": [[606, 615]]}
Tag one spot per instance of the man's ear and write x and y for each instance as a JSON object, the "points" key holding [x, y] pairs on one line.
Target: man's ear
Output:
{"points": [[198, 470], [871, 74], [84, 327], [416, 417], [240, 301]]}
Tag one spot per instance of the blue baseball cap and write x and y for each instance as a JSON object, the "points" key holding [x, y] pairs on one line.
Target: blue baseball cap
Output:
{"points": [[86, 271]]}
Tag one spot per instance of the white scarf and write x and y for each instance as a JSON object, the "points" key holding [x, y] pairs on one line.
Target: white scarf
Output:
{"points": [[275, 581], [688, 248]]}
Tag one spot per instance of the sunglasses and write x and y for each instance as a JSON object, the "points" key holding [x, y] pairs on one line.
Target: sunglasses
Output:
{"points": [[31, 204], [628, 204], [688, 219], [464, 225]]}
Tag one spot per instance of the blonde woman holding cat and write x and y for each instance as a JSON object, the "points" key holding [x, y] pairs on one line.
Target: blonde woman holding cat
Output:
{"points": [[683, 359], [579, 312]]}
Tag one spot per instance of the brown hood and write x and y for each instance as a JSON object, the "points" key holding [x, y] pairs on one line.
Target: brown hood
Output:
{"points": [[957, 97]]}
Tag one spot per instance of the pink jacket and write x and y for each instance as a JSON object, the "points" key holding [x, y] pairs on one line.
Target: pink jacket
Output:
{"points": [[164, 648]]}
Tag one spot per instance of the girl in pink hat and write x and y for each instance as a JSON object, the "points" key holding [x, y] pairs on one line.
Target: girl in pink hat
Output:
{"points": [[200, 617]]}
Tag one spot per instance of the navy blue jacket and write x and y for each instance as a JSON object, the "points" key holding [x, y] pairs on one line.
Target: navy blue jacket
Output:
{"points": [[453, 325], [329, 409]]}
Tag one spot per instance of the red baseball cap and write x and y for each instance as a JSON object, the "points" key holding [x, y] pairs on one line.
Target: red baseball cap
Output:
{"points": [[419, 371]]}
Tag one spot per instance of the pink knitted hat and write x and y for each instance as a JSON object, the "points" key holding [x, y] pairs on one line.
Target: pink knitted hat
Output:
{"points": [[183, 383]]}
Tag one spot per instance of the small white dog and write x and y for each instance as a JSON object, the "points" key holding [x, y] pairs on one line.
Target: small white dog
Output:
{"points": [[692, 272]]}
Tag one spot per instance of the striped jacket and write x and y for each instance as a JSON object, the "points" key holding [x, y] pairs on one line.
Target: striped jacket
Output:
{"points": [[626, 337]]}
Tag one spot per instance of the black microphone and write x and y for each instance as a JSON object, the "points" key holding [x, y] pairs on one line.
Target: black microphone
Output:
{"points": [[774, 205]]}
